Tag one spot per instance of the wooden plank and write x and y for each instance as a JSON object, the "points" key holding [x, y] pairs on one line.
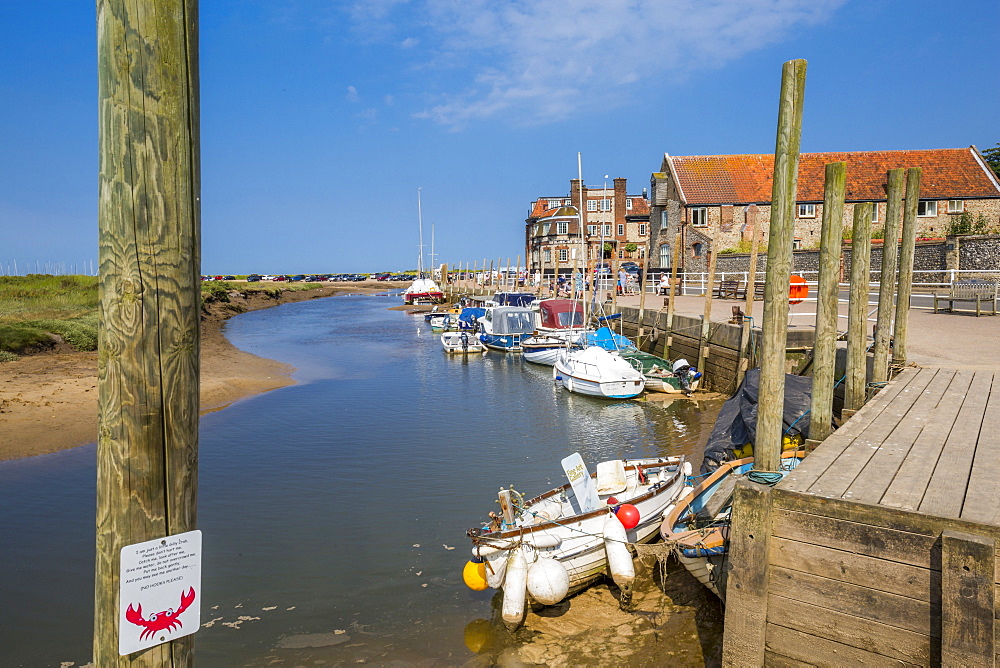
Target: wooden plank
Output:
{"points": [[818, 461], [984, 481], [967, 599], [955, 460], [930, 420], [747, 584], [879, 606], [899, 546], [850, 630], [839, 476], [795, 645], [865, 571]]}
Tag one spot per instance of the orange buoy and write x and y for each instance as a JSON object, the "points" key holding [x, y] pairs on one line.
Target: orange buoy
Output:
{"points": [[797, 290]]}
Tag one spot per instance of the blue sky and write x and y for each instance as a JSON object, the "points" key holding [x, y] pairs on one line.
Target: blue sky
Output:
{"points": [[320, 119]]}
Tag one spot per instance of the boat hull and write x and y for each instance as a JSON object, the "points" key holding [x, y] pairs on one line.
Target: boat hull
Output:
{"points": [[454, 345], [575, 378], [510, 343], [580, 543]]}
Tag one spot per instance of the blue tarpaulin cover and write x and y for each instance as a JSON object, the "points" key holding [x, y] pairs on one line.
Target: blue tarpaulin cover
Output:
{"points": [[608, 340], [471, 312]]}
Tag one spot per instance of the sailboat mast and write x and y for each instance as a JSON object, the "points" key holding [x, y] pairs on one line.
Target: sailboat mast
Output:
{"points": [[420, 226], [583, 242]]}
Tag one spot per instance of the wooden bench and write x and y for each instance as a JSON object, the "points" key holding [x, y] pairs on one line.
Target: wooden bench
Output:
{"points": [[758, 291], [981, 293], [731, 289]]}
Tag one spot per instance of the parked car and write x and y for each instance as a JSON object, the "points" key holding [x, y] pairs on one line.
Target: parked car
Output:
{"points": [[229, 278], [253, 278], [281, 278], [312, 279], [267, 277], [297, 277]]}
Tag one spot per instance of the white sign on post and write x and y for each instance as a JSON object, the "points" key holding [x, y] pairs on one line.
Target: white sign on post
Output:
{"points": [[583, 485], [159, 591]]}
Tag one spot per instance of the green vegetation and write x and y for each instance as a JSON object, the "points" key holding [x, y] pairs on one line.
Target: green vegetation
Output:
{"points": [[35, 307], [969, 224], [742, 246], [992, 158]]}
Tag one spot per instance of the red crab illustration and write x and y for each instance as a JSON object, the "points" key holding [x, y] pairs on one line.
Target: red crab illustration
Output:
{"points": [[160, 621]]}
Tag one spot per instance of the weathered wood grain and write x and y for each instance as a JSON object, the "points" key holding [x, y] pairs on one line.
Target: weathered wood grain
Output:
{"points": [[817, 463], [879, 606], [955, 460], [767, 449], [927, 413], [984, 481], [825, 348], [857, 309], [839, 476], [747, 584], [887, 276], [149, 238], [968, 565], [906, 253], [849, 629], [796, 646], [914, 474], [878, 573]]}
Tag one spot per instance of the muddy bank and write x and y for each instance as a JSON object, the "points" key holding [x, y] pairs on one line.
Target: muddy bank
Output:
{"points": [[48, 401]]}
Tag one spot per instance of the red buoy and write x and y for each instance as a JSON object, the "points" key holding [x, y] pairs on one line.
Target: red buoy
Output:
{"points": [[628, 515]]}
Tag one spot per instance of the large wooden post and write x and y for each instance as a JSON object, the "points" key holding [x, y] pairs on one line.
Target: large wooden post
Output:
{"points": [[887, 280], [857, 310], [767, 448], [149, 237], [744, 353], [668, 340], [642, 299], [827, 302], [906, 264], [706, 318]]}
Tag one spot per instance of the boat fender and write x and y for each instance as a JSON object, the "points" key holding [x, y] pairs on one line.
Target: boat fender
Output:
{"points": [[543, 542], [487, 550], [474, 574], [619, 558], [686, 470], [514, 590], [654, 336], [548, 581], [496, 570]]}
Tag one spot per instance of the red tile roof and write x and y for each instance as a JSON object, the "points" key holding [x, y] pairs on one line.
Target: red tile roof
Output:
{"points": [[744, 179]]}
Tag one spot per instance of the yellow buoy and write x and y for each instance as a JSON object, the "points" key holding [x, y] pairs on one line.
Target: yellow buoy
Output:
{"points": [[474, 574]]}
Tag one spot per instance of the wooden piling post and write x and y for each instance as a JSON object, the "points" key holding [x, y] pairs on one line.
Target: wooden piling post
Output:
{"points": [[506, 275], [767, 448], [968, 563], [857, 310], [642, 299], [517, 273], [906, 251], [706, 318], [887, 280], [827, 302], [744, 353], [668, 340], [149, 238]]}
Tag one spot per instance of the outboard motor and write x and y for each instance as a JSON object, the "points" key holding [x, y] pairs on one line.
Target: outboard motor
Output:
{"points": [[685, 374], [465, 341]]}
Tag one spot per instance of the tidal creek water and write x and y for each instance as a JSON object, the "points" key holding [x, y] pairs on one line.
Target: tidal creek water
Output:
{"points": [[339, 504]]}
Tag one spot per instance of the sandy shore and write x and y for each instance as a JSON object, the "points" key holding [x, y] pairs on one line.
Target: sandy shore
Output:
{"points": [[48, 402]]}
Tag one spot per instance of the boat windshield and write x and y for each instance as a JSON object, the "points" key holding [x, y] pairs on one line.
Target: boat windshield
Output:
{"points": [[518, 322]]}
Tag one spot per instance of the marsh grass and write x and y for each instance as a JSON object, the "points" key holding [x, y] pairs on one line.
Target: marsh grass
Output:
{"points": [[37, 306]]}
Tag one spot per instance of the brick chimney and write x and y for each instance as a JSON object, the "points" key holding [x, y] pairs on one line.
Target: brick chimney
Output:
{"points": [[619, 203]]}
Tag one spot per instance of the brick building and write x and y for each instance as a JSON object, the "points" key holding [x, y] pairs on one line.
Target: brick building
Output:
{"points": [[552, 230], [710, 199]]}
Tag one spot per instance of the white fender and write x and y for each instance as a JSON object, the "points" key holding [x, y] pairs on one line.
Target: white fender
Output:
{"points": [[548, 581], [686, 469], [619, 559], [514, 588], [496, 569], [540, 541]]}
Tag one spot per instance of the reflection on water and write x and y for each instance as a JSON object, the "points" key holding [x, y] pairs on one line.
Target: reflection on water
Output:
{"points": [[339, 504]]}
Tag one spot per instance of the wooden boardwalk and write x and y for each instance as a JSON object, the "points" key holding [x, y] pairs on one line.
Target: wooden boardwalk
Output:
{"points": [[881, 547]]}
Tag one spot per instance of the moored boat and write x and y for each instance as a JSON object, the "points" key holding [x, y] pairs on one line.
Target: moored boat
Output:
{"points": [[504, 327], [423, 291], [462, 343], [678, 377], [576, 527], [596, 372], [545, 348]]}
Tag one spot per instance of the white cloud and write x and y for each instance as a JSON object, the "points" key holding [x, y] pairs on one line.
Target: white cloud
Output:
{"points": [[541, 60], [352, 94], [409, 42]]}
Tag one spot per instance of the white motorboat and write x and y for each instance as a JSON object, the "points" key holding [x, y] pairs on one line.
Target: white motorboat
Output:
{"points": [[423, 291], [503, 327], [545, 348], [596, 372], [576, 527], [462, 343]]}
